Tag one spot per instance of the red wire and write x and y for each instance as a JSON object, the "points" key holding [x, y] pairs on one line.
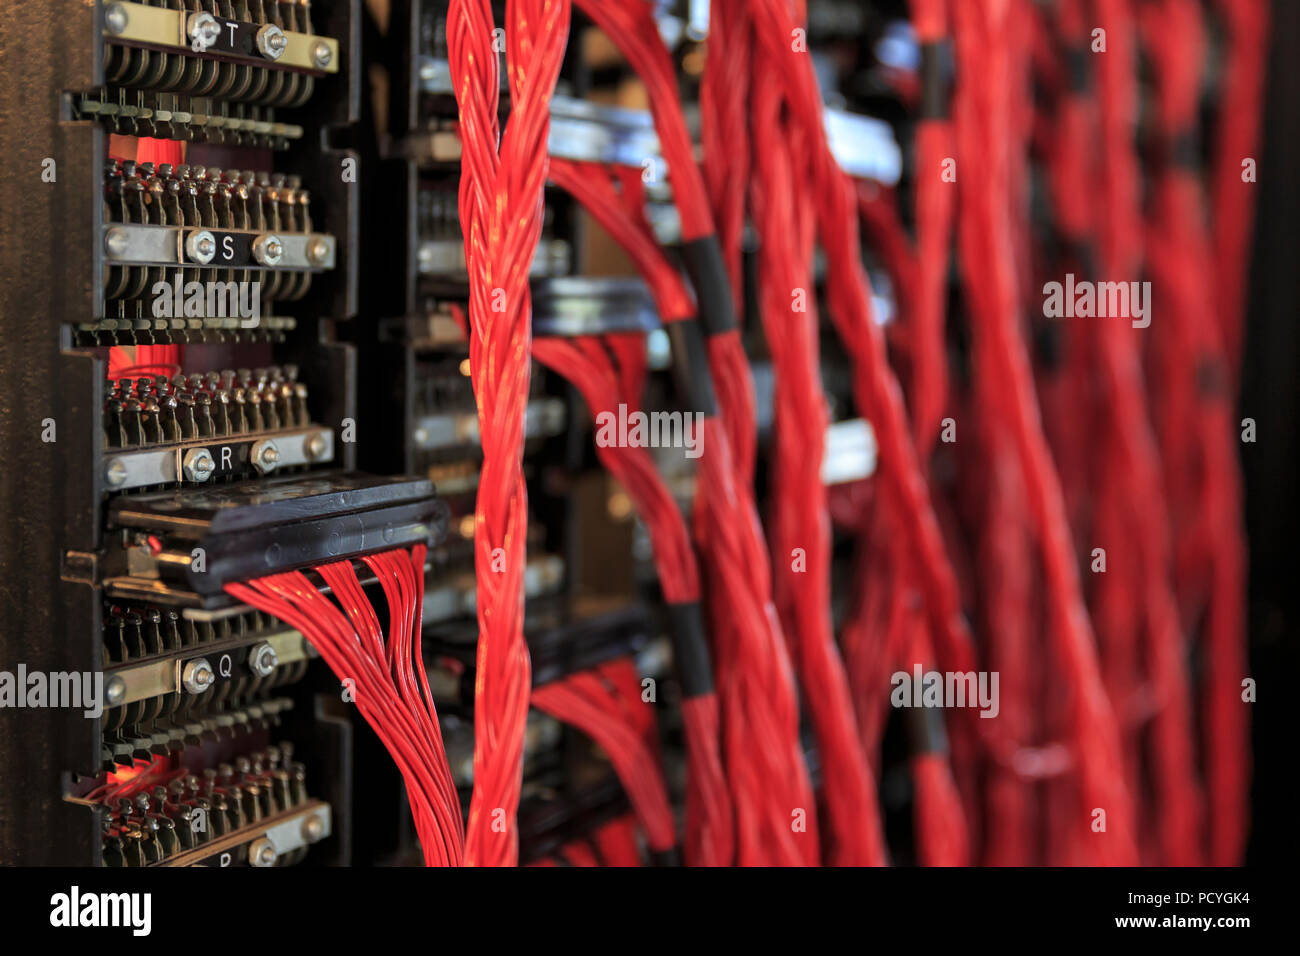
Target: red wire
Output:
{"points": [[351, 643], [986, 244], [1240, 117], [724, 132], [617, 842], [755, 686], [501, 218], [709, 826], [585, 702], [799, 522], [1198, 428]]}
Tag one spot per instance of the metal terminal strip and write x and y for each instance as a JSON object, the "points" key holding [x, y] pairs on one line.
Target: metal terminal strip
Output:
{"points": [[143, 680], [204, 459], [265, 842], [135, 24], [133, 244]]}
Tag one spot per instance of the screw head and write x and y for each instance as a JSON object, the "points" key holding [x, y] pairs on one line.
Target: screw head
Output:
{"points": [[317, 446], [265, 455], [321, 54], [271, 41], [116, 472], [197, 675], [115, 691], [201, 246], [263, 660], [313, 828], [318, 250], [268, 249], [198, 465], [115, 18], [115, 241], [261, 852]]}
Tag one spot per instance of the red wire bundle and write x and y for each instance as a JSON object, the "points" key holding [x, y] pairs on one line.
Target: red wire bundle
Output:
{"points": [[769, 784], [501, 219], [935, 204], [1142, 612], [1233, 198], [590, 703], [848, 293], [586, 363], [1001, 359], [799, 522], [724, 131], [388, 679], [1190, 372], [630, 24]]}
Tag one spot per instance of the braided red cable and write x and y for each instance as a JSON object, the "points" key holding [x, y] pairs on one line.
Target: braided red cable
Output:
{"points": [[501, 218], [1133, 500], [1198, 428], [1240, 118], [769, 784], [630, 24], [798, 521], [875, 387], [724, 132], [986, 243], [935, 204]]}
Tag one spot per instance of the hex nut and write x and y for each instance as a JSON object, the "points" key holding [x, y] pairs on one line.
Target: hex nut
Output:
{"points": [[262, 659], [271, 41], [201, 246], [197, 675], [198, 465], [268, 249], [265, 455], [261, 852]]}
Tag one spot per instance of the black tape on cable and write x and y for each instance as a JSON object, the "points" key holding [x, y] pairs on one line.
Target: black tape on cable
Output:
{"points": [[671, 857], [708, 273], [925, 731], [1185, 151], [1077, 75], [691, 367], [936, 80], [690, 649]]}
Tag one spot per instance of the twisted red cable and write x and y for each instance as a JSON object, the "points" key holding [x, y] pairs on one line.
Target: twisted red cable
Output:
{"points": [[1199, 431], [709, 827], [1233, 198], [799, 521], [501, 218], [1133, 498], [724, 132], [935, 204], [848, 293], [769, 785], [631, 25], [986, 243]]}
